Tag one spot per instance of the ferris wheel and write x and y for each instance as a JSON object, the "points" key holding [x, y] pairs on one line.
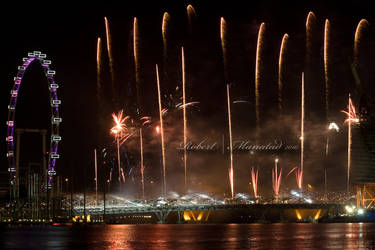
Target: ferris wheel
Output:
{"points": [[55, 103]]}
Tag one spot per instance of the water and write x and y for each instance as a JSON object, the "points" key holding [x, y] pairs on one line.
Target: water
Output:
{"points": [[223, 236]]}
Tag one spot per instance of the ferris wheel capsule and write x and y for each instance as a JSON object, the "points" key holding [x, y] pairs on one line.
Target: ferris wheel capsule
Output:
{"points": [[55, 156], [56, 120], [56, 138], [51, 72], [55, 103]]}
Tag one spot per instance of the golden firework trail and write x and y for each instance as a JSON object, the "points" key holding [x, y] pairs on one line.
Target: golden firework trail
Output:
{"points": [[136, 59], [181, 106], [257, 72], [98, 68], [223, 30], [254, 181], [110, 57], [164, 31], [96, 177], [276, 179], [190, 14], [122, 175], [357, 38], [230, 143], [281, 64], [302, 138], [291, 171], [309, 22], [184, 115], [162, 131], [146, 120], [326, 51], [142, 167], [299, 175], [231, 181], [351, 118]]}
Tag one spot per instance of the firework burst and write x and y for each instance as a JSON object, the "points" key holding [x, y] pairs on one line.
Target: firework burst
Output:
{"points": [[351, 118], [121, 130]]}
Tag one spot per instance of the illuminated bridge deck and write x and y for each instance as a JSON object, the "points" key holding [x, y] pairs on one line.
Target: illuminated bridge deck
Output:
{"points": [[216, 212]]}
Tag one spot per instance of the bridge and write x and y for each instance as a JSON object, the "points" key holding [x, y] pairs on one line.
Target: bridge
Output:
{"points": [[206, 212]]}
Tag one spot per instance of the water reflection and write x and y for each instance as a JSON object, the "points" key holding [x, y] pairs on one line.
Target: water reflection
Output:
{"points": [[160, 237]]}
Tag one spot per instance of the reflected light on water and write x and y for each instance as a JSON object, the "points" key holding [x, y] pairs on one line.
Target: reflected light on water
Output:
{"points": [[190, 236]]}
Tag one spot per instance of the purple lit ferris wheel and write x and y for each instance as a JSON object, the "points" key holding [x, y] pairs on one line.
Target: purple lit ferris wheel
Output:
{"points": [[55, 118]]}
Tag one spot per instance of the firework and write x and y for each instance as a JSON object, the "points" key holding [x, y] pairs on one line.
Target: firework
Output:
{"points": [[223, 30], [257, 72], [276, 179], [136, 59], [122, 175], [230, 142], [310, 20], [121, 135], [351, 118], [110, 56], [182, 106], [299, 175], [302, 138], [184, 114], [96, 177], [331, 126], [98, 68], [281, 59], [162, 131], [357, 38], [164, 31], [142, 167], [121, 131], [254, 181], [351, 113], [190, 14], [326, 49], [145, 120], [231, 181]]}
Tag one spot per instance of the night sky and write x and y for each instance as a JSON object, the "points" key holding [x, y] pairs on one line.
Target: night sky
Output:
{"points": [[68, 33]]}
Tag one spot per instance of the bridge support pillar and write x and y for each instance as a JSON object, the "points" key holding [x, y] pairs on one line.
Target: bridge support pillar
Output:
{"points": [[179, 221], [162, 216]]}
